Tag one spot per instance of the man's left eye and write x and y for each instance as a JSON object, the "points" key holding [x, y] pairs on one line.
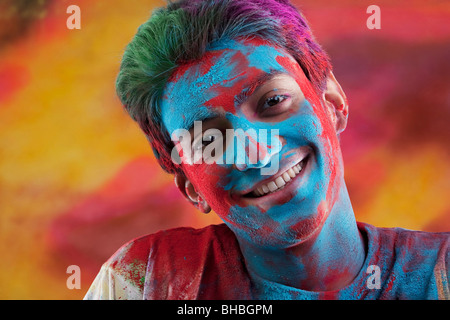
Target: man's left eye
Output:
{"points": [[274, 100]]}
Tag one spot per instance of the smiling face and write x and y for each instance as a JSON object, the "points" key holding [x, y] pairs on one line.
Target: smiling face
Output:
{"points": [[253, 85]]}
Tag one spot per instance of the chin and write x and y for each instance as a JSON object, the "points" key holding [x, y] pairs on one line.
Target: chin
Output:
{"points": [[277, 234]]}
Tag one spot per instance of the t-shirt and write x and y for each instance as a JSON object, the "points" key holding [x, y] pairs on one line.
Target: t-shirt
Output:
{"points": [[188, 263]]}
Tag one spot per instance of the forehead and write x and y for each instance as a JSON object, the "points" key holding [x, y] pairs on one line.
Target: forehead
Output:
{"points": [[210, 86]]}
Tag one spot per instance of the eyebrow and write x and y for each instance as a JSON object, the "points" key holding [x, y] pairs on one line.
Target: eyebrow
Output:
{"points": [[204, 114], [201, 114], [254, 85]]}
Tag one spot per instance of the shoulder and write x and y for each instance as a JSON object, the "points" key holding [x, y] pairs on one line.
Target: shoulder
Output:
{"points": [[188, 263], [132, 259], [416, 263], [138, 250], [126, 272], [185, 236], [400, 239]]}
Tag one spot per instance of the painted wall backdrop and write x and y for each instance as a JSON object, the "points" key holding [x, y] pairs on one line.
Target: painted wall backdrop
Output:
{"points": [[78, 179]]}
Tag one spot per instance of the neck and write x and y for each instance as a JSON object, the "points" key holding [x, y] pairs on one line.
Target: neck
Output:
{"points": [[326, 261]]}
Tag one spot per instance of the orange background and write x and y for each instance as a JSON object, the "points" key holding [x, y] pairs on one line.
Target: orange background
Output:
{"points": [[78, 180]]}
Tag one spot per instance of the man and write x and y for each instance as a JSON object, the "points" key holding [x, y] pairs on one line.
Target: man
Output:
{"points": [[198, 70]]}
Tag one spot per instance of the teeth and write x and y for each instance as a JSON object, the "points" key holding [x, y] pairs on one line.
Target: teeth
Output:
{"points": [[272, 186], [291, 173], [279, 182], [286, 177]]}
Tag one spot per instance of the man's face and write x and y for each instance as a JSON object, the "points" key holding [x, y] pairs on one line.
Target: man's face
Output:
{"points": [[253, 85]]}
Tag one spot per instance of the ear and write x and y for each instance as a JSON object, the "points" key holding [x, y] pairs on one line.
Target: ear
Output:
{"points": [[336, 103], [189, 192]]}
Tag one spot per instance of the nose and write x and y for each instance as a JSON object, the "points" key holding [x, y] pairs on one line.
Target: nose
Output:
{"points": [[254, 151]]}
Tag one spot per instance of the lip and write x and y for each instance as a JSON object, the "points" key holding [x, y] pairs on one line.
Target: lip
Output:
{"points": [[303, 154]]}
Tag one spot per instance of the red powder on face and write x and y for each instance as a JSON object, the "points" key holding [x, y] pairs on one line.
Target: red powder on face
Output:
{"points": [[229, 89], [329, 136], [298, 74], [211, 177], [204, 65]]}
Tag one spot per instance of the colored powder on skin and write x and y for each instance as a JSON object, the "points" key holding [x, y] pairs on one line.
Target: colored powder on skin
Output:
{"points": [[289, 129], [213, 86], [225, 83]]}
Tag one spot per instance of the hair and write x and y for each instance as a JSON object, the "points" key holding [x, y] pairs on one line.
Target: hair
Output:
{"points": [[182, 31]]}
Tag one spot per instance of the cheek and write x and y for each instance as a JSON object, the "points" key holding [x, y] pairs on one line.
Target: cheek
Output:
{"points": [[308, 91], [327, 138], [210, 181]]}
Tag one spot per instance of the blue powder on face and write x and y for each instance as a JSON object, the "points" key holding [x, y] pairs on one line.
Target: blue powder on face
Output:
{"points": [[192, 90], [187, 95], [301, 129]]}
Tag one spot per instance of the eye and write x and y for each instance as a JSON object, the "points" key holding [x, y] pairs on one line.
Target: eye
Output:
{"points": [[272, 101], [206, 138], [273, 105]]}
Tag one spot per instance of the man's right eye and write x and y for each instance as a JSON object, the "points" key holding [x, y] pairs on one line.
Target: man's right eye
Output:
{"points": [[210, 136]]}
